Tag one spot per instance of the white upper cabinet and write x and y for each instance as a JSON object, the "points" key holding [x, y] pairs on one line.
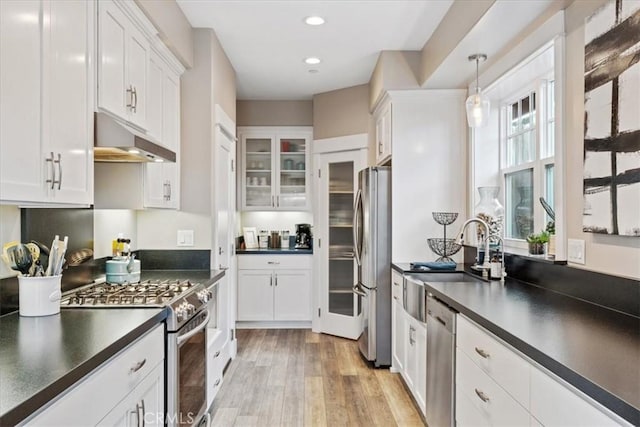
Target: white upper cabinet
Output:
{"points": [[275, 168], [382, 115], [123, 57], [162, 180], [46, 120]]}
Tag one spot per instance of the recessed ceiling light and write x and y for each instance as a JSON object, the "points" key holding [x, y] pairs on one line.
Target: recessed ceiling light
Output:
{"points": [[133, 151], [157, 160], [312, 60], [313, 20]]}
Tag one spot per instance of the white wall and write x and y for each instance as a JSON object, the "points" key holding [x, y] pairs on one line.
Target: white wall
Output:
{"points": [[9, 231], [275, 220], [107, 224], [157, 229], [429, 172]]}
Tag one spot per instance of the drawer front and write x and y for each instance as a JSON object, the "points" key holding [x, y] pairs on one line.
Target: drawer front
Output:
{"points": [[555, 404], [500, 362], [396, 286], [100, 391], [497, 407], [274, 262]]}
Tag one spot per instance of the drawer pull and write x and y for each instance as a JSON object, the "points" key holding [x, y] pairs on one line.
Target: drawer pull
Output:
{"points": [[482, 353], [217, 382], [482, 396], [273, 262], [138, 366], [217, 354]]}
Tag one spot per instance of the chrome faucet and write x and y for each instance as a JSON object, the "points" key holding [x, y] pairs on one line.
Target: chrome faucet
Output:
{"points": [[486, 265]]}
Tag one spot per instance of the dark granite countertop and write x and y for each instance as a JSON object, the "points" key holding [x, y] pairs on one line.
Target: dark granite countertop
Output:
{"points": [[40, 357], [274, 251], [595, 349]]}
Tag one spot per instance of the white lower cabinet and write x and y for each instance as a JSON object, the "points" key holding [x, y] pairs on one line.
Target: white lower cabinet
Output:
{"points": [[274, 288], [128, 389], [397, 322], [415, 372], [143, 406], [215, 362], [496, 386]]}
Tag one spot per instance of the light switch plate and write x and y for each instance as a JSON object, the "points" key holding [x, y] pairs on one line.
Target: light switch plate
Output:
{"points": [[575, 251], [185, 237]]}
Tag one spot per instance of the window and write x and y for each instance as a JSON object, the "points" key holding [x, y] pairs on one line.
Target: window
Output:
{"points": [[527, 166]]}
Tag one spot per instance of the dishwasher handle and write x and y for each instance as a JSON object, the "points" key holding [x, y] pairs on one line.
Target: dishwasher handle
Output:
{"points": [[440, 313]]}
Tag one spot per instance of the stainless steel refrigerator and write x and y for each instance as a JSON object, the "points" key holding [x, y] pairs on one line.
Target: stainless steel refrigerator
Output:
{"points": [[372, 248]]}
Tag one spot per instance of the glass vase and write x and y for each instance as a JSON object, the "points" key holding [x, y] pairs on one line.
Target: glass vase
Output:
{"points": [[490, 210]]}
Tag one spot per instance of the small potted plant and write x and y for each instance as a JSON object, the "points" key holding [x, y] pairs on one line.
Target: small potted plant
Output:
{"points": [[537, 242]]}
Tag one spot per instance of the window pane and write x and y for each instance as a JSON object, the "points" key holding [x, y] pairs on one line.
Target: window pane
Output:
{"points": [[526, 113], [550, 144], [519, 204], [513, 118], [548, 189], [551, 102]]}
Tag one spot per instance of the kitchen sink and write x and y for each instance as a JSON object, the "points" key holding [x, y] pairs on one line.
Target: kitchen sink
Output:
{"points": [[446, 277]]}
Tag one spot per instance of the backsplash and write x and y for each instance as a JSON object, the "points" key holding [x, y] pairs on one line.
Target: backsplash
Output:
{"points": [[614, 292]]}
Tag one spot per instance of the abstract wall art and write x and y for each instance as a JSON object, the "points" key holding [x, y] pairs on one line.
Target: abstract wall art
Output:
{"points": [[612, 120]]}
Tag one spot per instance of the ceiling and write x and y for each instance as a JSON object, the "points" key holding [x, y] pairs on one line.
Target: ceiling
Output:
{"points": [[267, 41]]}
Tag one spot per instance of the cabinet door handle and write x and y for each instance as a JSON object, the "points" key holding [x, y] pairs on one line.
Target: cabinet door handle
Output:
{"points": [[276, 280], [140, 410], [271, 281], [278, 201], [216, 354], [130, 93], [52, 171], [273, 203], [411, 339], [134, 94], [59, 162], [482, 353], [138, 366], [482, 396], [273, 262], [217, 382], [380, 147], [169, 186]]}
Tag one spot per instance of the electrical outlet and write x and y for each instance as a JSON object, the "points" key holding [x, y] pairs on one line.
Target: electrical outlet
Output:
{"points": [[185, 237], [575, 251]]}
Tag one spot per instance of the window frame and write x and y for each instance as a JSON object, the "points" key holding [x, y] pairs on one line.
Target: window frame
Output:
{"points": [[543, 118]]}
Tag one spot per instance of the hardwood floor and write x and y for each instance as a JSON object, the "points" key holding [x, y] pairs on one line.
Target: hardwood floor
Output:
{"points": [[294, 377]]}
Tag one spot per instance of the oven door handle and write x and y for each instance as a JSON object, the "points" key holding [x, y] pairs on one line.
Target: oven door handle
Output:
{"points": [[192, 332]]}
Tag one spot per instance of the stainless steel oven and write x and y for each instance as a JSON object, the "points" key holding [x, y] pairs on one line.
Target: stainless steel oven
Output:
{"points": [[187, 372]]}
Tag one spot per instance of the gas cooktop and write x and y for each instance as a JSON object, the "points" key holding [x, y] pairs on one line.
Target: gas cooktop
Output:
{"points": [[183, 298]]}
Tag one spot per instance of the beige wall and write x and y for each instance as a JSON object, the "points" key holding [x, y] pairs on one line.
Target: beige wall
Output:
{"points": [[197, 127], [173, 27], [607, 254], [224, 79], [274, 113], [458, 21], [395, 70], [341, 112]]}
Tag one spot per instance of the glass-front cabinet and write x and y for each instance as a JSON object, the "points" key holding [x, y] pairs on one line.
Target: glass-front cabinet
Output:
{"points": [[275, 168], [341, 308]]}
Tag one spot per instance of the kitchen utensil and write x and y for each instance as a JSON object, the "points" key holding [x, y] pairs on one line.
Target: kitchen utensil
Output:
{"points": [[79, 256], [21, 258], [288, 164], [35, 255], [43, 260], [300, 166], [56, 255]]}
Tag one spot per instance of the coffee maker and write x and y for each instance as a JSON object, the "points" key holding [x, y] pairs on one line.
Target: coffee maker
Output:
{"points": [[303, 236]]}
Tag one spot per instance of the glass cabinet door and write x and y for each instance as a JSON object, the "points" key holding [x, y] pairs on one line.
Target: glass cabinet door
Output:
{"points": [[342, 300], [293, 173], [258, 166]]}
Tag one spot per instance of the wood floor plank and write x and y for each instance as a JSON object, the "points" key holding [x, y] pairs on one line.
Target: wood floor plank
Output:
{"points": [[315, 413], [293, 377], [224, 417]]}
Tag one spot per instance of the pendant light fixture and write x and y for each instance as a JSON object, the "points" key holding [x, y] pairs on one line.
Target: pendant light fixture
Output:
{"points": [[478, 107]]}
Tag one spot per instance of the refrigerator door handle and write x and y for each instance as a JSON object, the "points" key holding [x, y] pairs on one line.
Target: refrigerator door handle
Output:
{"points": [[356, 290], [356, 225]]}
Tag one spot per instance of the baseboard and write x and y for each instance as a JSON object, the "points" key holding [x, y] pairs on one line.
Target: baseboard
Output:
{"points": [[274, 325]]}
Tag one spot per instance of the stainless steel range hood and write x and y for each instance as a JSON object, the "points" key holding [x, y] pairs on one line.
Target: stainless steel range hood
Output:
{"points": [[117, 142]]}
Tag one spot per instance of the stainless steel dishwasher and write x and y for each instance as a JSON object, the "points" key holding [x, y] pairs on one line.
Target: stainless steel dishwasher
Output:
{"points": [[441, 345]]}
